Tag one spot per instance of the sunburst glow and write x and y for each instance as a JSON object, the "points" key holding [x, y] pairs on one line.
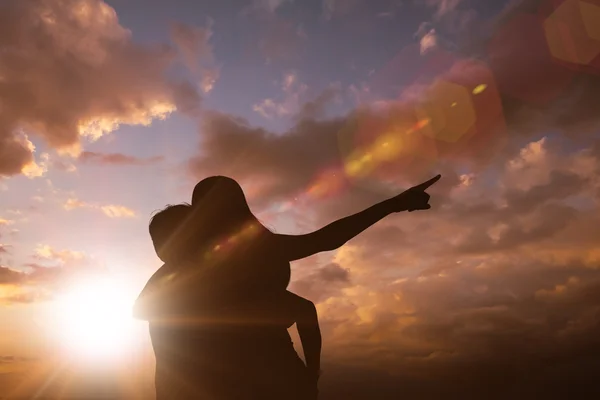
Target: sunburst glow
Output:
{"points": [[93, 320]]}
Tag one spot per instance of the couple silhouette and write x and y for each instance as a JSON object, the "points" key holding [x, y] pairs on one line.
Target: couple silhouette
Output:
{"points": [[219, 309]]}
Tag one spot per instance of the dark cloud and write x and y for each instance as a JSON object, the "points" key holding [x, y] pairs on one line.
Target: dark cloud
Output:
{"points": [[315, 109], [494, 295], [560, 186], [467, 331], [8, 276], [322, 282], [285, 163], [333, 273]]}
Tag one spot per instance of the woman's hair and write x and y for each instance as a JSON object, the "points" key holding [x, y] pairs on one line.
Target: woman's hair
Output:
{"points": [[219, 202]]}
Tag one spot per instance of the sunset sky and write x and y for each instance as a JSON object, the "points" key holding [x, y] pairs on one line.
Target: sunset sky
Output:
{"points": [[109, 110]]}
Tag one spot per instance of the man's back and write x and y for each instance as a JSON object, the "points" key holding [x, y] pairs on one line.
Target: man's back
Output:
{"points": [[203, 347], [196, 363]]}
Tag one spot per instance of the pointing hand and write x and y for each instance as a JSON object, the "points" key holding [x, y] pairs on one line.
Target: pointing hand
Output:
{"points": [[415, 198]]}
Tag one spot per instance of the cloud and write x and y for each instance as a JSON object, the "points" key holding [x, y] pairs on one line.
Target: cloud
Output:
{"points": [[322, 282], [46, 252], [73, 203], [332, 8], [8, 275], [15, 294], [293, 92], [430, 39], [51, 272], [37, 169], [194, 44], [11, 359], [280, 39], [284, 164], [419, 305], [110, 210], [116, 159], [443, 7], [270, 6], [456, 105], [371, 149], [85, 75], [391, 9], [451, 27], [115, 211], [315, 108], [5, 222]]}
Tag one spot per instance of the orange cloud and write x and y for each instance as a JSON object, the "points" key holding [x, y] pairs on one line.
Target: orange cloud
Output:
{"points": [[110, 210], [4, 221], [114, 211], [119, 81], [48, 275]]}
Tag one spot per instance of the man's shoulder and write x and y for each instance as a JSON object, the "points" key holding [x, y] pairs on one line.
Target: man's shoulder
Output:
{"points": [[145, 298]]}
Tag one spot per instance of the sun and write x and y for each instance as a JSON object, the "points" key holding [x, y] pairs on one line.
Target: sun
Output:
{"points": [[92, 320]]}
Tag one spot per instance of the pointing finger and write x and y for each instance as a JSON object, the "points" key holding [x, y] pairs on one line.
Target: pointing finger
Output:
{"points": [[425, 185]]}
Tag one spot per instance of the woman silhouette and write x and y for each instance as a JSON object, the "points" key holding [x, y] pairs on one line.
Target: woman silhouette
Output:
{"points": [[242, 265]]}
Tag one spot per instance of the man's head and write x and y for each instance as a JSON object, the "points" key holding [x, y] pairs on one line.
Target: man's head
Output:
{"points": [[169, 230]]}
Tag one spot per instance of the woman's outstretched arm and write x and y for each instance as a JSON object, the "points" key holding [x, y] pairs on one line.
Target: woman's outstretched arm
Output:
{"points": [[339, 232]]}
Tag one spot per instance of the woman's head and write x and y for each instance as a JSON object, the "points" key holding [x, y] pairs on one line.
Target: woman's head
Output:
{"points": [[219, 211], [220, 203]]}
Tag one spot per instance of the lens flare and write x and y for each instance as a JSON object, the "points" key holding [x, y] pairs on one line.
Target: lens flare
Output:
{"points": [[449, 108], [479, 88], [429, 113], [573, 32], [384, 146], [522, 64], [327, 184]]}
